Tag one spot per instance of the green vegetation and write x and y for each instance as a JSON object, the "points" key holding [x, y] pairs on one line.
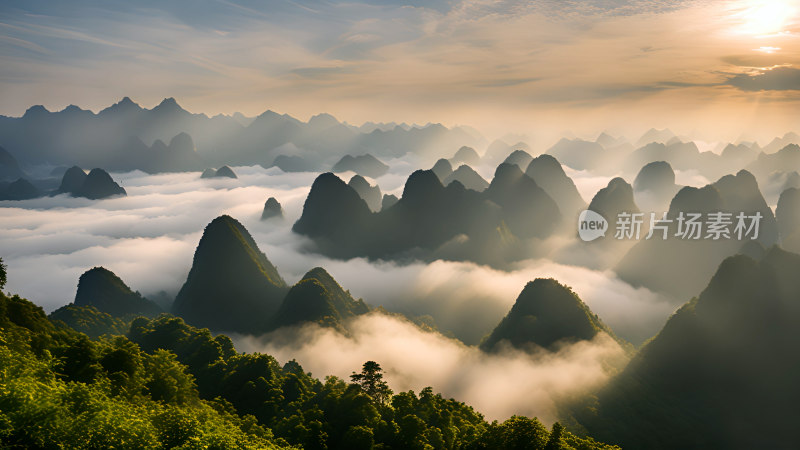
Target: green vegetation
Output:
{"points": [[232, 286], [318, 298], [101, 288], [546, 314], [59, 389], [371, 381], [90, 321], [168, 384], [723, 371], [3, 274]]}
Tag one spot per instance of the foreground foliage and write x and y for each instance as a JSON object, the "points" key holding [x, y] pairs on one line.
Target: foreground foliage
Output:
{"points": [[170, 385]]}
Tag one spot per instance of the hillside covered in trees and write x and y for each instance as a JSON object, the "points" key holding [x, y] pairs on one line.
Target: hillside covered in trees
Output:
{"points": [[165, 384]]}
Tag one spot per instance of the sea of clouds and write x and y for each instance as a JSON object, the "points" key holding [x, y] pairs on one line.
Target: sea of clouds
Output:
{"points": [[148, 239]]}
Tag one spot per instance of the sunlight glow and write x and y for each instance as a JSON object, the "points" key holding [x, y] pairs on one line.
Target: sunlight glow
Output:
{"points": [[766, 17]]}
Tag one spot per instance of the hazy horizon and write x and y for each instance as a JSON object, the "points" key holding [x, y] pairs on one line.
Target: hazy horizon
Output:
{"points": [[716, 70]]}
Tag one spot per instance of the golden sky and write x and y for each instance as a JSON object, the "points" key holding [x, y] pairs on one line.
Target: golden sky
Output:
{"points": [[713, 69]]}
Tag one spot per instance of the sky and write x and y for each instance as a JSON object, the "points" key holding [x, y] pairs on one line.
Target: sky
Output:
{"points": [[713, 69]]}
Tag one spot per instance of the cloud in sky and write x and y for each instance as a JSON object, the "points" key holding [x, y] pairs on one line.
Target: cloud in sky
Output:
{"points": [[492, 64], [776, 79]]}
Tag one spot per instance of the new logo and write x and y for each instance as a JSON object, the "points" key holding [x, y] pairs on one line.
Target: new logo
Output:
{"points": [[591, 225]]}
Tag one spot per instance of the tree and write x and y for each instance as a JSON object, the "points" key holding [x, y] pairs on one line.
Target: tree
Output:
{"points": [[518, 432], [554, 442], [168, 381], [3, 274], [359, 437], [371, 381]]}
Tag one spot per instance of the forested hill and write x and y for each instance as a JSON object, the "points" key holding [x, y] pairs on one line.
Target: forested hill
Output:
{"points": [[167, 384]]}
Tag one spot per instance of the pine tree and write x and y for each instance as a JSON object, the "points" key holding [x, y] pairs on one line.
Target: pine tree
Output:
{"points": [[371, 381]]}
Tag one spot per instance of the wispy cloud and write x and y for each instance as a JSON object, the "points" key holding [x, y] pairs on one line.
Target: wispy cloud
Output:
{"points": [[318, 73], [470, 61]]}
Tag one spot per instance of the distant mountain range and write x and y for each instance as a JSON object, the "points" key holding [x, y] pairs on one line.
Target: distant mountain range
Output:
{"points": [[612, 156], [426, 217], [480, 222], [126, 136], [681, 266]]}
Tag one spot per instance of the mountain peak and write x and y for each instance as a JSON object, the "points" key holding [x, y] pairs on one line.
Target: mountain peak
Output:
{"points": [[319, 274], [442, 169], [548, 162], [363, 165], [35, 111], [122, 106], [72, 181], [169, 101], [545, 314], [613, 199], [98, 184], [370, 194], [519, 157], [506, 176], [333, 211], [74, 109], [529, 210], [468, 178], [169, 105], [466, 155], [322, 121], [101, 288], [232, 286], [655, 176], [271, 209], [420, 185], [547, 172], [318, 298]]}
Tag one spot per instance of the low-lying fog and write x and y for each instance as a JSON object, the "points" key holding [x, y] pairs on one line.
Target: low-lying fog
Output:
{"points": [[148, 239]]}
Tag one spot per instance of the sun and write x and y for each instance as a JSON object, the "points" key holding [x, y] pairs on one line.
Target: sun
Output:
{"points": [[766, 17]]}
